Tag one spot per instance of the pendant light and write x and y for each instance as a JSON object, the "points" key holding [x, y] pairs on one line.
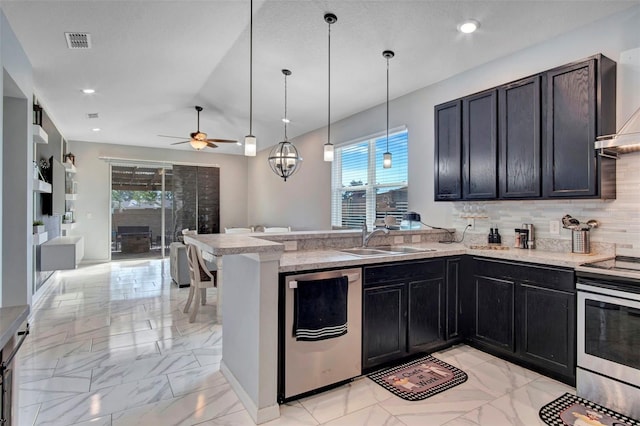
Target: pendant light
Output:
{"points": [[284, 159], [386, 157], [250, 141], [329, 18]]}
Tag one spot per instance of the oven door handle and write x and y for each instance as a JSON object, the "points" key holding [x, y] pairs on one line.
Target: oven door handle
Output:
{"points": [[6, 362], [595, 288]]}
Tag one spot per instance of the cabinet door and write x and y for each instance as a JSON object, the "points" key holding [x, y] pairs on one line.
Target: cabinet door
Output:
{"points": [[494, 312], [480, 146], [384, 324], [570, 113], [547, 328], [448, 151], [520, 142], [426, 313], [453, 297]]}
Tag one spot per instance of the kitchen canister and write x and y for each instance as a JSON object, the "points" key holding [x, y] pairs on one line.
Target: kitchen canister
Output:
{"points": [[580, 242]]}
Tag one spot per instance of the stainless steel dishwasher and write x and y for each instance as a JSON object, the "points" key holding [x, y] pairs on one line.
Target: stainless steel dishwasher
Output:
{"points": [[310, 365]]}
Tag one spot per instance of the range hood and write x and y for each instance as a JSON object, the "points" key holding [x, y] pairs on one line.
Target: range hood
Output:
{"points": [[626, 140]]}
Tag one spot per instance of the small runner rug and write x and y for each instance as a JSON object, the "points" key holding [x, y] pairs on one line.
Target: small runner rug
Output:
{"points": [[573, 410], [419, 379]]}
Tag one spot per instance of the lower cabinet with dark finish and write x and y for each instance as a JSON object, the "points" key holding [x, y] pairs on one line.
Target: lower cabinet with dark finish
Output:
{"points": [[404, 310], [526, 314]]}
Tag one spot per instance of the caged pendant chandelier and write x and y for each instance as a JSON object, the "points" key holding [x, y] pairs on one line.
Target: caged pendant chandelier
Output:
{"points": [[284, 159], [250, 141], [386, 157], [329, 18]]}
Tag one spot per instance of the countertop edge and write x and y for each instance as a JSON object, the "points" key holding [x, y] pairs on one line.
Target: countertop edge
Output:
{"points": [[11, 318]]}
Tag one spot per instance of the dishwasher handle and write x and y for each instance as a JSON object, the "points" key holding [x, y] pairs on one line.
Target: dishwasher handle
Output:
{"points": [[352, 277]]}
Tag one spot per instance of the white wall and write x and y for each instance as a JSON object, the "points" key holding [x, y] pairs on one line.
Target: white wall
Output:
{"points": [[304, 200], [92, 207], [16, 208]]}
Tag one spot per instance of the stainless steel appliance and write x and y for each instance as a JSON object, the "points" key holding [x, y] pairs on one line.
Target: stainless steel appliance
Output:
{"points": [[312, 365], [608, 330]]}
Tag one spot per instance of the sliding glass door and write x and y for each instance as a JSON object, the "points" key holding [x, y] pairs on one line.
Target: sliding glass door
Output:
{"points": [[141, 211]]}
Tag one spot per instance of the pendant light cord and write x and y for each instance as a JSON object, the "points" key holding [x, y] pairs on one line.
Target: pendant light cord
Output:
{"points": [[329, 96], [251, 71], [285, 107], [387, 104]]}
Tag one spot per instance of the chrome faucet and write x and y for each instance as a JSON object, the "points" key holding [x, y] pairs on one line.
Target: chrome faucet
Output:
{"points": [[366, 238]]}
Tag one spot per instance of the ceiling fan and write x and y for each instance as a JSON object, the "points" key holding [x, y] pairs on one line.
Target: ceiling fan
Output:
{"points": [[198, 139]]}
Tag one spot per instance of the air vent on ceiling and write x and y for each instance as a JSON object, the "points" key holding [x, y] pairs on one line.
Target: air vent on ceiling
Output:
{"points": [[78, 40], [92, 115]]}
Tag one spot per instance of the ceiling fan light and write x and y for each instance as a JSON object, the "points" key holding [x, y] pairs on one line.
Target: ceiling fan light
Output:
{"points": [[328, 151], [250, 146], [198, 144]]}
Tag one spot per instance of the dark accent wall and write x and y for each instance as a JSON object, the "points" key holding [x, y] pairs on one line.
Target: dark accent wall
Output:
{"points": [[196, 200]]}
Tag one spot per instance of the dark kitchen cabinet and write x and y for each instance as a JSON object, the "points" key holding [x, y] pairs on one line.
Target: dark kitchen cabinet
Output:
{"points": [[579, 105], [448, 151], [519, 106], [404, 310], [532, 138], [384, 320], [425, 315], [526, 314], [453, 328], [480, 146], [494, 312], [547, 328]]}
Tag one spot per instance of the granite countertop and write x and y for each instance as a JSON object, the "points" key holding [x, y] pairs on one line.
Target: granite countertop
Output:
{"points": [[11, 318], [221, 244], [292, 261], [319, 259]]}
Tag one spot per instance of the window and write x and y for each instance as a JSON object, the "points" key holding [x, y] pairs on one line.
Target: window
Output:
{"points": [[362, 190]]}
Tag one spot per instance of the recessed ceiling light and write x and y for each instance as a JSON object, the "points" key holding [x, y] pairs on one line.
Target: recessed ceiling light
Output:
{"points": [[286, 120], [468, 26], [95, 129], [88, 91]]}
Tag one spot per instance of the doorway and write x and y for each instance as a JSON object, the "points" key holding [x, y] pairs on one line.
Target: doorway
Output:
{"points": [[141, 211]]}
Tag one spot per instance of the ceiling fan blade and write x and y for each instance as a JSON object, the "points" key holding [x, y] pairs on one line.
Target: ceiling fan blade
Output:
{"points": [[211, 144], [178, 143], [222, 140], [175, 137]]}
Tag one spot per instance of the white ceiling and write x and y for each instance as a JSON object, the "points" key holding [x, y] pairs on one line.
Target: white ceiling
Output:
{"points": [[153, 61]]}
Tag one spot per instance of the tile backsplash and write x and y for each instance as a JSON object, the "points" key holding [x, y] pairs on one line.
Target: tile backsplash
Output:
{"points": [[619, 219]]}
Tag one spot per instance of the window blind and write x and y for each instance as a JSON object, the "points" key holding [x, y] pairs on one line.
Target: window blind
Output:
{"points": [[363, 191]]}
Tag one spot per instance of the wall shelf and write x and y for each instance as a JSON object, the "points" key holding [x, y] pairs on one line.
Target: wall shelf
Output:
{"points": [[40, 238], [70, 197], [39, 135], [41, 186], [61, 253], [68, 226]]}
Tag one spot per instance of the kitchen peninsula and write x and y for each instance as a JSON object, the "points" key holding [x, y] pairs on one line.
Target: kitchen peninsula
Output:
{"points": [[249, 267]]}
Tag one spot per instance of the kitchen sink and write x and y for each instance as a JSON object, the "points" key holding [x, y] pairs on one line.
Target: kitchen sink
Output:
{"points": [[384, 250], [403, 250], [362, 251]]}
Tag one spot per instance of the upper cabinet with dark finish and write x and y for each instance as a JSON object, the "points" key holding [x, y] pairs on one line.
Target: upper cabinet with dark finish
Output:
{"points": [[480, 146], [543, 127], [520, 142], [579, 105], [448, 151]]}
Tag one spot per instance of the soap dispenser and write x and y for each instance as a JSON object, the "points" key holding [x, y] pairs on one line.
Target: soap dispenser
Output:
{"points": [[491, 238], [496, 237]]}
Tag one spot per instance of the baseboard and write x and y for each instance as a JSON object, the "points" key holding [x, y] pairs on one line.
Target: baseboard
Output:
{"points": [[259, 415]]}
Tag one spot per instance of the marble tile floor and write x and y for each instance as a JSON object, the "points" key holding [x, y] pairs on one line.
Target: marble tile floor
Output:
{"points": [[110, 346]]}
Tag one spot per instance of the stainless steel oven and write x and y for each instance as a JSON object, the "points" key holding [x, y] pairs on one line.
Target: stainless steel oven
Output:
{"points": [[608, 331]]}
